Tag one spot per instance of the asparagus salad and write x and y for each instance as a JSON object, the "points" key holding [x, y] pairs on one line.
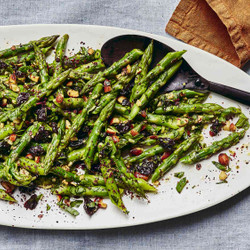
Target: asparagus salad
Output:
{"points": [[87, 132]]}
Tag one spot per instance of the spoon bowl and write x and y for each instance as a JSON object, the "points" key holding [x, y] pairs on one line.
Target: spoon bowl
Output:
{"points": [[186, 77]]}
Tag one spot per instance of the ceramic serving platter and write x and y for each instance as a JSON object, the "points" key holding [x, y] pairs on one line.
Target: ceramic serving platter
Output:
{"points": [[201, 192]]}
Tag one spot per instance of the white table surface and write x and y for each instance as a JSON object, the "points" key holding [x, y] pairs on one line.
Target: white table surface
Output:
{"points": [[225, 226]]}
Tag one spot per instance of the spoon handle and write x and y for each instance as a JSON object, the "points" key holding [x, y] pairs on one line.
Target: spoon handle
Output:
{"points": [[236, 94]]}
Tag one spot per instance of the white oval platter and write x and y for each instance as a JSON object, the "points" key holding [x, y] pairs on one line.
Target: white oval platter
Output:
{"points": [[201, 191]]}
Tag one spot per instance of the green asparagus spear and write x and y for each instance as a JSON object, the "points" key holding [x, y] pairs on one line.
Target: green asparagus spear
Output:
{"points": [[172, 160], [160, 67], [113, 69], [153, 89], [16, 49]]}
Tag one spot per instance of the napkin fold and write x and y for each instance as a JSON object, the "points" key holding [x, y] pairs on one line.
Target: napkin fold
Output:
{"points": [[221, 27]]}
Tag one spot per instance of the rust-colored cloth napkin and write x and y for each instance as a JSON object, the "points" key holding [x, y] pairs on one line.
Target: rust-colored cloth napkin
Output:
{"points": [[221, 27]]}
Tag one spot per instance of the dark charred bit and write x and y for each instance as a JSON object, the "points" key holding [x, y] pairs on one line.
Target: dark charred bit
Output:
{"points": [[147, 166], [215, 128], [37, 150], [54, 127], [3, 65], [127, 89], [77, 143], [4, 147], [126, 102], [20, 74], [95, 168], [42, 135], [80, 164], [90, 206], [83, 132], [123, 127], [31, 203], [28, 190], [41, 114], [166, 143], [22, 98]]}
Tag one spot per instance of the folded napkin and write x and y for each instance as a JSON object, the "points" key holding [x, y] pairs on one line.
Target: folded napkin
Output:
{"points": [[221, 27]]}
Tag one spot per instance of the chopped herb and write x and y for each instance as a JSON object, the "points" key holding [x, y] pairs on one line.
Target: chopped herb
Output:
{"points": [[220, 166], [48, 207], [68, 209], [76, 203], [221, 182], [181, 184], [179, 174]]}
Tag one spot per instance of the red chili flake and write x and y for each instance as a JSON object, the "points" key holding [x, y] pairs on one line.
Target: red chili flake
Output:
{"points": [[12, 137], [133, 132], [136, 151], [115, 139], [153, 136], [40, 216], [59, 98], [80, 111], [165, 155], [141, 176], [188, 132], [198, 166], [143, 114]]}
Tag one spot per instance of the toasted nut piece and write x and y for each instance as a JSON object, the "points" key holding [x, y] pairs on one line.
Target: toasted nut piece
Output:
{"points": [[30, 156], [73, 93], [121, 98], [12, 79], [14, 87], [226, 127], [223, 159], [129, 68], [138, 103], [101, 204], [85, 98], [114, 120], [37, 159], [69, 84], [223, 176], [90, 51], [232, 127], [4, 101], [68, 124], [65, 182], [34, 78], [1, 125], [110, 131]]}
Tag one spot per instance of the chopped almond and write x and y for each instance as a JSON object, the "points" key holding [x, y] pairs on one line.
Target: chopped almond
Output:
{"points": [[73, 93], [114, 120], [120, 99], [110, 131], [90, 51], [223, 176]]}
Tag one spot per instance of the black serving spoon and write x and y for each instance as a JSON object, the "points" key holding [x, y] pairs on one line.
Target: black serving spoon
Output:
{"points": [[115, 48]]}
